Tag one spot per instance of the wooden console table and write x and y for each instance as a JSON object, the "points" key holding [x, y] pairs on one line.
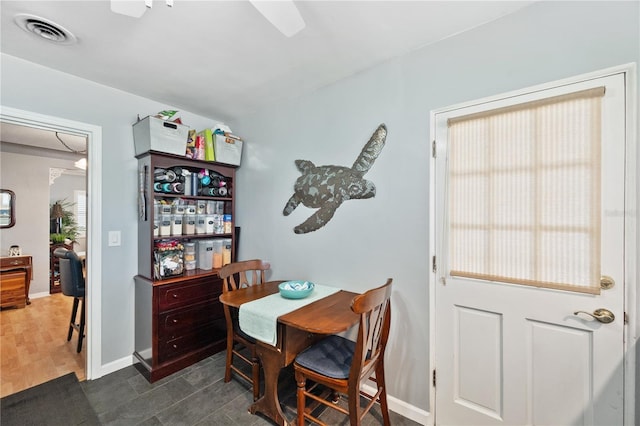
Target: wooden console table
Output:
{"points": [[15, 287]]}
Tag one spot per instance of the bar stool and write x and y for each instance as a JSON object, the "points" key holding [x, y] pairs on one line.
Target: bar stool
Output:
{"points": [[73, 285]]}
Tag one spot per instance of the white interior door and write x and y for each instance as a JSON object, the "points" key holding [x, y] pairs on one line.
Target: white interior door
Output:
{"points": [[514, 354]]}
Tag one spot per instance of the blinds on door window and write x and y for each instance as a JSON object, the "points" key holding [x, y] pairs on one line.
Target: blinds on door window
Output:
{"points": [[524, 193]]}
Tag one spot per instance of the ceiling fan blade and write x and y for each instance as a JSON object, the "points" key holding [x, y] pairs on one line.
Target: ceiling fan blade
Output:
{"points": [[133, 8], [283, 14]]}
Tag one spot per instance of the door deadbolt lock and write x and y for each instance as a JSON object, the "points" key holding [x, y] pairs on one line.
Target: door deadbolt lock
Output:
{"points": [[605, 316], [606, 282]]}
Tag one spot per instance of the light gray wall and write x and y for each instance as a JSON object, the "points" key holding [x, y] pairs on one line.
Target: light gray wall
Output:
{"points": [[31, 87], [387, 236], [367, 240], [63, 187]]}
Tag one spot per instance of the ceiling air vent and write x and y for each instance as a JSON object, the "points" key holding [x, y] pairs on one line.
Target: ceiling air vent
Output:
{"points": [[44, 28]]}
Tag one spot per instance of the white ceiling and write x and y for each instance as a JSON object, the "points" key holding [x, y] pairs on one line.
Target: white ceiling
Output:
{"points": [[43, 139], [222, 59]]}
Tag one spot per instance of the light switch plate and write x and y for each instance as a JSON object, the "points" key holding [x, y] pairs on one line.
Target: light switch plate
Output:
{"points": [[114, 238]]}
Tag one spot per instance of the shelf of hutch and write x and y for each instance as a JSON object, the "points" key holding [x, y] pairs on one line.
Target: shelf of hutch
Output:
{"points": [[179, 319]]}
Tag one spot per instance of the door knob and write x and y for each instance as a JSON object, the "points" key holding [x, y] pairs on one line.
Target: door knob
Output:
{"points": [[603, 315]]}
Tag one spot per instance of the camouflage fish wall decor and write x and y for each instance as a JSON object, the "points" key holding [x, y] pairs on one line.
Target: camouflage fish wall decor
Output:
{"points": [[327, 187]]}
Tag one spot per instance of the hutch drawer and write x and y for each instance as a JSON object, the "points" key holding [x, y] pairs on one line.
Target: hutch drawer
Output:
{"points": [[175, 323], [189, 341], [173, 296]]}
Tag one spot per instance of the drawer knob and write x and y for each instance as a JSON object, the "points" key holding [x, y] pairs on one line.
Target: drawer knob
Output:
{"points": [[175, 295], [175, 321], [175, 346]]}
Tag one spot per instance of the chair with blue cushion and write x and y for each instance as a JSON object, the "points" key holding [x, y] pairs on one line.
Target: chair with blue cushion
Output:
{"points": [[235, 276], [72, 284], [343, 365]]}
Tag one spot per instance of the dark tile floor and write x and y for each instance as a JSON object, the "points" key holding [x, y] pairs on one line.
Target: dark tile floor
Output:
{"points": [[198, 396]]}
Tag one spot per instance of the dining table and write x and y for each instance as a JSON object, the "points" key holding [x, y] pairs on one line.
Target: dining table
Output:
{"points": [[296, 330]]}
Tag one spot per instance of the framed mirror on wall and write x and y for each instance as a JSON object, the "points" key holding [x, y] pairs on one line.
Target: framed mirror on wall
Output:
{"points": [[7, 208]]}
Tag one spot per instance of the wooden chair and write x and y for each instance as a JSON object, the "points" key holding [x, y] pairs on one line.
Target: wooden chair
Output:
{"points": [[342, 365], [72, 284], [238, 275]]}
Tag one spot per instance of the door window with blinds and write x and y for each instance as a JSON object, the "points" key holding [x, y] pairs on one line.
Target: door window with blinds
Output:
{"points": [[524, 192]]}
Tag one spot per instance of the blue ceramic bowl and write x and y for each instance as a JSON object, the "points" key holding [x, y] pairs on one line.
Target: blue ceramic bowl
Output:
{"points": [[295, 289]]}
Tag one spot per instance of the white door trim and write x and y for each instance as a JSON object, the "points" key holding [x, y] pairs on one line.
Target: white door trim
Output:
{"points": [[632, 237], [94, 219]]}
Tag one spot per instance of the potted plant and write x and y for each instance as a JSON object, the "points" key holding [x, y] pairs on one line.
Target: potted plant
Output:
{"points": [[63, 223]]}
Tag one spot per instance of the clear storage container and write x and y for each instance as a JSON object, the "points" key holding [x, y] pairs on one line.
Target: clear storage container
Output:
{"points": [[204, 259], [201, 224], [189, 224], [176, 224], [218, 246], [226, 251]]}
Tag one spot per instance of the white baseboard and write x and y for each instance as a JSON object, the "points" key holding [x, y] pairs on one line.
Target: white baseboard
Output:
{"points": [[114, 366], [39, 295], [403, 408]]}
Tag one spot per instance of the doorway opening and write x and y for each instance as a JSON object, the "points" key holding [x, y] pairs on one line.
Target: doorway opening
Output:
{"points": [[93, 135]]}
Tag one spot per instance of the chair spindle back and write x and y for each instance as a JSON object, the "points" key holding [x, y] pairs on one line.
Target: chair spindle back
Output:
{"points": [[374, 308]]}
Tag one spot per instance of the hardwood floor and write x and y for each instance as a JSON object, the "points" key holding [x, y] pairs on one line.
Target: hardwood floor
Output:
{"points": [[34, 347]]}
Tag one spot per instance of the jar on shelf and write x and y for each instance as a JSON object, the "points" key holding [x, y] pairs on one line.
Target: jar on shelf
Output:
{"points": [[218, 227], [204, 258], [210, 224], [218, 246], [189, 256], [226, 251], [201, 224], [165, 225], [176, 224], [189, 224], [227, 224]]}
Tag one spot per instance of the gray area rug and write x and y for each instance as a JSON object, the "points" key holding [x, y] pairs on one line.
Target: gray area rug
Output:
{"points": [[60, 401]]}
